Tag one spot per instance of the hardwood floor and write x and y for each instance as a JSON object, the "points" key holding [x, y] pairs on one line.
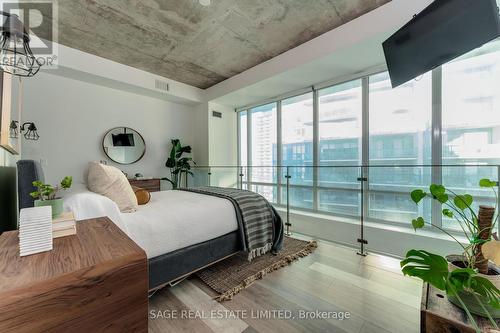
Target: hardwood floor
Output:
{"points": [[332, 279]]}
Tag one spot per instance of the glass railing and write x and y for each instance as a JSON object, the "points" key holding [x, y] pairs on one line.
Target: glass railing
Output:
{"points": [[376, 193]]}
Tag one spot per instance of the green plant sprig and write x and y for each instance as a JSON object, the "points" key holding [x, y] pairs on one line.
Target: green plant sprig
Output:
{"points": [[48, 192], [434, 269], [457, 206]]}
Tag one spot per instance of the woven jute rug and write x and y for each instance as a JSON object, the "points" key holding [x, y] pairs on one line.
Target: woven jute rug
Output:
{"points": [[236, 273]]}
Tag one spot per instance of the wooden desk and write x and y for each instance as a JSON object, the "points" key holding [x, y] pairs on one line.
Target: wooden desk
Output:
{"points": [[438, 315], [96, 280]]}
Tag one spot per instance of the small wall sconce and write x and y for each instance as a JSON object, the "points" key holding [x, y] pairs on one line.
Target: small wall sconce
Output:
{"points": [[14, 129], [28, 128]]}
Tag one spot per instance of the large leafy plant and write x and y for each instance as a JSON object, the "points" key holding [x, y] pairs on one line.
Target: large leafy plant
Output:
{"points": [[49, 192], [434, 269], [459, 207], [178, 164]]}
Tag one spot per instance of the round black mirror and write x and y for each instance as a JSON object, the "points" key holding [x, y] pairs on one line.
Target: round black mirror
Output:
{"points": [[123, 145]]}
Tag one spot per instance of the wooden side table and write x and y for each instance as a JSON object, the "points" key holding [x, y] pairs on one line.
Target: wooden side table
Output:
{"points": [[94, 281], [152, 185], [438, 315]]}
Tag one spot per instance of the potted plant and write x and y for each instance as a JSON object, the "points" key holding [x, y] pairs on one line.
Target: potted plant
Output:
{"points": [[469, 279], [46, 195], [178, 164]]}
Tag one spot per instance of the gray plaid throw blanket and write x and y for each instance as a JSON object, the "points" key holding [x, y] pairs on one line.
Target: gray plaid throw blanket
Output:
{"points": [[260, 226]]}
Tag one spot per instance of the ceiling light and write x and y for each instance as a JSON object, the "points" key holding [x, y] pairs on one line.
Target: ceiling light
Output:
{"points": [[205, 2], [15, 53]]}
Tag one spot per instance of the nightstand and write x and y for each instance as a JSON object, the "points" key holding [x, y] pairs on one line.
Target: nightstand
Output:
{"points": [[152, 185], [96, 280]]}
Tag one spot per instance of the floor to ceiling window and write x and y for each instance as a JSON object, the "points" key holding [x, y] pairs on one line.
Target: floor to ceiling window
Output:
{"points": [[471, 122], [449, 117], [264, 147], [297, 148], [340, 131], [400, 136]]}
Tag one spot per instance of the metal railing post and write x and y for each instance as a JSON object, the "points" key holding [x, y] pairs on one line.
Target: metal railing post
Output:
{"points": [[361, 240], [240, 175], [288, 225]]}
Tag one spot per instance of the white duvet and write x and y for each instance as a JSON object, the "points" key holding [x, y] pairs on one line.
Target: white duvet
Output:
{"points": [[170, 221]]}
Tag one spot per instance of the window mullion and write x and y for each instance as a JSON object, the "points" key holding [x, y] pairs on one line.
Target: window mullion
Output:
{"points": [[365, 141], [238, 151], [279, 152], [437, 141], [249, 149], [315, 171]]}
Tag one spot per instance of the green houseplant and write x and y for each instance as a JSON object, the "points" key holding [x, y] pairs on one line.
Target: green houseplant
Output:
{"points": [[178, 164], [465, 278], [46, 195]]}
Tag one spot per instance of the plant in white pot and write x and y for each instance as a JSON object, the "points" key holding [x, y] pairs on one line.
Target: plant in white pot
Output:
{"points": [[470, 280], [46, 195]]}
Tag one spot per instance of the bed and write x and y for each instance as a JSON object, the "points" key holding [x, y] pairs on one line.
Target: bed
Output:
{"points": [[180, 231]]}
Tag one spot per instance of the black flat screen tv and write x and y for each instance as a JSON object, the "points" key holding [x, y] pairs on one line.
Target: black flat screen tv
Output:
{"points": [[443, 31], [123, 140]]}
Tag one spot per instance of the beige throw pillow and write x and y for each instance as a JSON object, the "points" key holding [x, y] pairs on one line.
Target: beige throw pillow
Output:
{"points": [[112, 183]]}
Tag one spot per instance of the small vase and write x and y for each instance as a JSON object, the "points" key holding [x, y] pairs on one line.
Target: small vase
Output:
{"points": [[56, 204]]}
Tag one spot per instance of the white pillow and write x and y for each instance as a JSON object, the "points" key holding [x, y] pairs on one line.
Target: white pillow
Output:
{"points": [[88, 205], [112, 183]]}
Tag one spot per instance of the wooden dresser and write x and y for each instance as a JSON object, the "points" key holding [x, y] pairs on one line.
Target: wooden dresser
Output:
{"points": [[152, 185], [94, 281]]}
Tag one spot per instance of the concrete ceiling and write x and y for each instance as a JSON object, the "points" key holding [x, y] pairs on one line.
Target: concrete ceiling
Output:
{"points": [[201, 46], [346, 63]]}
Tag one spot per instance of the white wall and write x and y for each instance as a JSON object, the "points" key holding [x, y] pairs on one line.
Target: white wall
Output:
{"points": [[72, 116], [200, 132], [223, 145], [222, 133]]}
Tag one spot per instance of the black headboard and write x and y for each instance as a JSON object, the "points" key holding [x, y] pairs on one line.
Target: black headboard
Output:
{"points": [[27, 172]]}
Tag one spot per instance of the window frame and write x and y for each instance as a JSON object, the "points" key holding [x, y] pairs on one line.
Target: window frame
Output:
{"points": [[436, 141]]}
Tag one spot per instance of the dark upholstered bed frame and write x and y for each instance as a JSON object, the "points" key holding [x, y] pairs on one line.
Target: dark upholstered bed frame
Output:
{"points": [[172, 266], [163, 269]]}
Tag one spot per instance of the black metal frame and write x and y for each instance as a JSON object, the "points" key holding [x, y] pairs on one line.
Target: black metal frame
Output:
{"points": [[14, 27], [106, 153]]}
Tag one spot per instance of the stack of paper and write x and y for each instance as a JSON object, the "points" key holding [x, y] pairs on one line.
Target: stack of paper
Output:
{"points": [[35, 230], [64, 225]]}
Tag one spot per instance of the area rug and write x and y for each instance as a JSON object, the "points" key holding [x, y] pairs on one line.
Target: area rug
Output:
{"points": [[236, 273]]}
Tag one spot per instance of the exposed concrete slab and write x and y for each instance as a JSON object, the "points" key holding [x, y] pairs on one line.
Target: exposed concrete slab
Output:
{"points": [[197, 45]]}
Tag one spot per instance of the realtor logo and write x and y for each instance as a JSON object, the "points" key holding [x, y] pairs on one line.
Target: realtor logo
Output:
{"points": [[40, 18]]}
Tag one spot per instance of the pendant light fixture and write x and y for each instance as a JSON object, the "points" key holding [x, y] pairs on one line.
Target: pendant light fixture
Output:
{"points": [[16, 57]]}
